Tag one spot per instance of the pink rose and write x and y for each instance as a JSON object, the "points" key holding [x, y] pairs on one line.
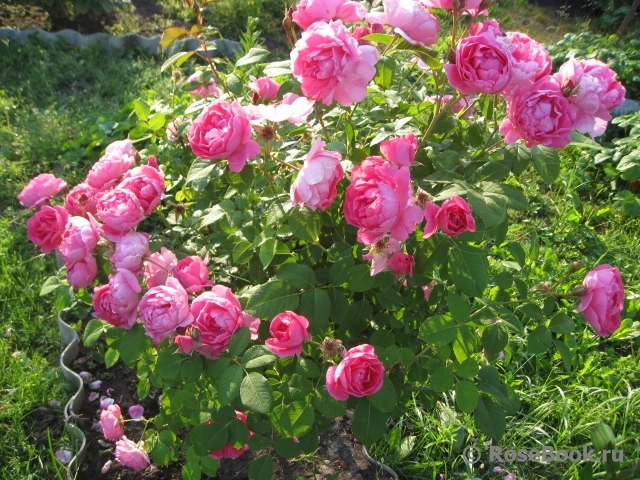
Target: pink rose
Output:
{"points": [[427, 289], [131, 455], [147, 183], [218, 315], [540, 115], [46, 226], [483, 64], [603, 301], [186, 343], [118, 158], [316, 184], [402, 264], [82, 200], [264, 87], [120, 211], [380, 200], [379, 254], [163, 309], [453, 217], [40, 189], [470, 6], [229, 451], [288, 330], [293, 108], [611, 92], [82, 273], [311, 11], [157, 267], [192, 273], [80, 237], [401, 150], [117, 302], [360, 373], [205, 88], [112, 423], [531, 61], [329, 63], [121, 148], [129, 251], [410, 19], [222, 130]]}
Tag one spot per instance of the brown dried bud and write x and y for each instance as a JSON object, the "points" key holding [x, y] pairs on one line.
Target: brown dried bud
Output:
{"points": [[422, 198], [193, 332], [266, 134], [485, 4], [330, 347], [451, 56], [575, 266], [543, 287], [176, 75], [179, 209]]}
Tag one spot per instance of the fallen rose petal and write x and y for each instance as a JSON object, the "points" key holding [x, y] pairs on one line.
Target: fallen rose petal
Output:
{"points": [[53, 403], [85, 376], [136, 412], [95, 385], [64, 456], [93, 396], [105, 402]]}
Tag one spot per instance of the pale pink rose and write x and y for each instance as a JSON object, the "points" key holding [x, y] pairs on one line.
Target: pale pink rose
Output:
{"points": [[192, 273], [129, 251], [611, 92], [121, 148], [467, 104], [402, 264], [329, 63], [157, 267], [136, 412], [427, 289], [410, 19], [117, 302], [118, 158], [360, 373], [531, 61], [540, 115], [379, 200], [82, 200], [120, 211], [147, 183], [222, 130], [380, 253], [112, 423], [131, 455], [316, 184], [229, 451], [603, 301], [163, 309], [80, 237], [483, 64], [401, 150], [218, 315], [40, 189], [265, 87], [293, 108], [46, 226], [82, 273], [206, 88], [453, 216], [470, 6], [491, 27], [288, 330], [311, 11]]}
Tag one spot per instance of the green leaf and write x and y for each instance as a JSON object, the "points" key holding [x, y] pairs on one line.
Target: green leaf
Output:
{"points": [[258, 356], [490, 417], [161, 454], [315, 305], [491, 209], [464, 345], [385, 70], [208, 437], [565, 354], [299, 275], [469, 269], [229, 384], [327, 405], [200, 172], [467, 369], [386, 398], [142, 109], [255, 393], [603, 437], [547, 162], [177, 59], [518, 253], [441, 380], [253, 56], [578, 140], [307, 368], [369, 423], [111, 357], [50, 285], [191, 471], [539, 340], [131, 343], [93, 331], [242, 252], [459, 308], [383, 38], [171, 34], [467, 396], [234, 84], [268, 251], [360, 279], [217, 212], [305, 224], [340, 269], [271, 298], [293, 420], [438, 330], [239, 341], [562, 323], [261, 468], [430, 57], [494, 339], [276, 69], [156, 122]]}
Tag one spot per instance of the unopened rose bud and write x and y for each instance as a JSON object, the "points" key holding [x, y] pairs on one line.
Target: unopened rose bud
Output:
{"points": [[579, 290], [451, 56], [486, 4], [576, 266], [542, 287]]}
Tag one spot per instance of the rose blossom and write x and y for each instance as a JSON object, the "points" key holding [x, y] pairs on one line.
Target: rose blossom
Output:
{"points": [[163, 309], [40, 189], [121, 148], [82, 273], [205, 88], [380, 200], [118, 158], [229, 451], [157, 267], [329, 63], [288, 330], [131, 455], [120, 211], [293, 108], [603, 301], [129, 251], [222, 130], [401, 150], [402, 264], [427, 289], [264, 87], [112, 423], [410, 19], [380, 253], [82, 200], [531, 61], [470, 6], [540, 115], [147, 183], [453, 217], [311, 11], [360, 373], [316, 184], [80, 237], [611, 92], [192, 273], [117, 302], [46, 226]]}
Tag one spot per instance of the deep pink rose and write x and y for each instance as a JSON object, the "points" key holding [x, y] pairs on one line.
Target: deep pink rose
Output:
{"points": [[218, 315], [40, 189], [402, 264], [603, 301], [316, 184], [46, 226], [147, 183], [410, 19], [192, 273], [531, 61], [117, 302], [431, 225], [360, 373], [163, 309], [288, 330], [427, 289], [265, 87], [186, 343], [380, 200], [82, 273], [380, 253], [82, 200], [205, 88], [222, 130], [311, 11], [483, 64], [229, 451], [453, 217], [118, 158], [131, 455], [157, 267], [401, 150], [540, 115], [129, 251], [120, 211], [329, 63], [80, 237], [112, 423]]}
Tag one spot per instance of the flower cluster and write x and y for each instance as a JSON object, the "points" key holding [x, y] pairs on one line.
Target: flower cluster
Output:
{"points": [[128, 453]]}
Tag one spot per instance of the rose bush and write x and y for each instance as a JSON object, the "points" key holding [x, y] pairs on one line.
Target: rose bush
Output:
{"points": [[290, 257]]}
